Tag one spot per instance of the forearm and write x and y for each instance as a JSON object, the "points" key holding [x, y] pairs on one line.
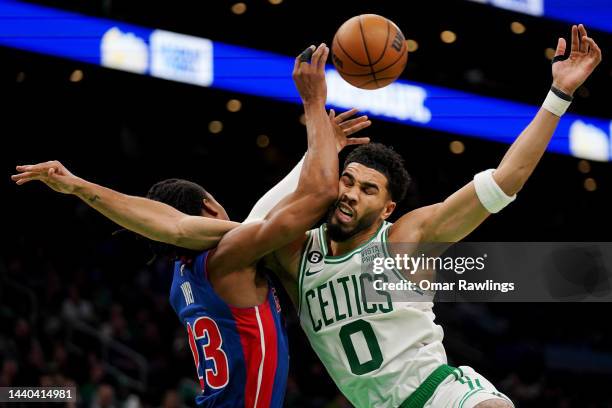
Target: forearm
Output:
{"points": [[525, 153], [320, 170], [149, 218]]}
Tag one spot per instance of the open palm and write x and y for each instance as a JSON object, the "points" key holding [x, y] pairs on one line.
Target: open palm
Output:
{"points": [[584, 56]]}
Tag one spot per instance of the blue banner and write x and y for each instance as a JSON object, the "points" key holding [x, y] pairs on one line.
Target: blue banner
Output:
{"points": [[592, 13], [202, 62]]}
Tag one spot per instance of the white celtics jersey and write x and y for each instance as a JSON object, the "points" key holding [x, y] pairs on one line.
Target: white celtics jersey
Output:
{"points": [[377, 351]]}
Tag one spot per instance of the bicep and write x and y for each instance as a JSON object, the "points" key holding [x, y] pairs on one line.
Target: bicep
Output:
{"points": [[448, 221]]}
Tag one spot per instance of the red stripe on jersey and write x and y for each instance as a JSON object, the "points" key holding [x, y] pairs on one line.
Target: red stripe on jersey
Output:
{"points": [[248, 329], [259, 385], [269, 368]]}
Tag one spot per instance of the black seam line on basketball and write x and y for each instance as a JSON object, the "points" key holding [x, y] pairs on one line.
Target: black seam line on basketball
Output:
{"points": [[398, 59], [372, 80], [349, 56], [384, 49], [365, 47]]}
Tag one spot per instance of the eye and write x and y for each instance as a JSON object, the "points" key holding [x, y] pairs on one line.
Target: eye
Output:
{"points": [[347, 181], [369, 190]]}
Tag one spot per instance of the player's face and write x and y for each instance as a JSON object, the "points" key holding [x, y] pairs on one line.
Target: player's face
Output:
{"points": [[363, 200]]}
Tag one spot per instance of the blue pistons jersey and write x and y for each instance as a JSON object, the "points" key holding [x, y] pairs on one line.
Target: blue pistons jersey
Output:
{"points": [[241, 354]]}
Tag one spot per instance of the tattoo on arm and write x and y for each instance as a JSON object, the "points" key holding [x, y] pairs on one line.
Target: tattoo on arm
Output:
{"points": [[94, 198]]}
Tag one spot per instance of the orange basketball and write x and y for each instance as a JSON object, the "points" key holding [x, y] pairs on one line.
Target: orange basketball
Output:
{"points": [[369, 51]]}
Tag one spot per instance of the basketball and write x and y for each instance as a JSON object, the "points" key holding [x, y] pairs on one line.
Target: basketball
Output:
{"points": [[369, 51]]}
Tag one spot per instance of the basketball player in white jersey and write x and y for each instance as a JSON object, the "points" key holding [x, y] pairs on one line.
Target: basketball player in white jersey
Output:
{"points": [[390, 354]]}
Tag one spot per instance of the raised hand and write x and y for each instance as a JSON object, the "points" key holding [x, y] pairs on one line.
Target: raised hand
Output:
{"points": [[584, 56], [344, 127], [309, 74], [52, 173]]}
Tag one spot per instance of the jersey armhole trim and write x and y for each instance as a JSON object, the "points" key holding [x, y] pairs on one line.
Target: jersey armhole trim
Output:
{"points": [[305, 250]]}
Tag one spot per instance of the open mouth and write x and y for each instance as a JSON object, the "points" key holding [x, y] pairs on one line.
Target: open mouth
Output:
{"points": [[344, 213]]}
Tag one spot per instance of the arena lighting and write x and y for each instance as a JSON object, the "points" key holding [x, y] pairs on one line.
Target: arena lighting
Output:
{"points": [[412, 45], [584, 166], [239, 8], [593, 14], [202, 62], [233, 105], [215, 126], [448, 36], [517, 27]]}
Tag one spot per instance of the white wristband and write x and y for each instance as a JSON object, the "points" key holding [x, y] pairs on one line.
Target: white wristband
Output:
{"points": [[489, 193], [555, 105]]}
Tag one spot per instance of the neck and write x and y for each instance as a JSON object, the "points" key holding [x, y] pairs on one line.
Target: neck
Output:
{"points": [[344, 247]]}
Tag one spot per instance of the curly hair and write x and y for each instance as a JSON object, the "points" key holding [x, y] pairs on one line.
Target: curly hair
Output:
{"points": [[185, 196], [384, 159]]}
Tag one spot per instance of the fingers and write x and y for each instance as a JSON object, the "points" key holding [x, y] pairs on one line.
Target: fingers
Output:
{"points": [[583, 33], [304, 56], [345, 115], [307, 54], [296, 66], [575, 39], [356, 128], [39, 167], [323, 60], [353, 122], [594, 51], [357, 141], [332, 115], [22, 178], [561, 46], [320, 56]]}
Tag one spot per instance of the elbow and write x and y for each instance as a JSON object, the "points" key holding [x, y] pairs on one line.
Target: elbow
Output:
{"points": [[513, 180]]}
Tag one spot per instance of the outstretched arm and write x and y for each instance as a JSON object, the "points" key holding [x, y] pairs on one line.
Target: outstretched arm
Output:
{"points": [[462, 212], [317, 188], [149, 218]]}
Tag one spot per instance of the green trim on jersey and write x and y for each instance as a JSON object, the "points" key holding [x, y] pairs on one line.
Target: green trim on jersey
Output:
{"points": [[322, 240], [384, 241], [427, 388], [300, 277], [341, 258]]}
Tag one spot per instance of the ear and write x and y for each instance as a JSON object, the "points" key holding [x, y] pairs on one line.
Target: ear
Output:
{"points": [[388, 210], [209, 208]]}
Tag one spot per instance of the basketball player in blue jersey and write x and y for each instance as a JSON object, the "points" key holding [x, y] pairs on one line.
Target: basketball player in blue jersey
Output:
{"points": [[231, 314], [391, 354]]}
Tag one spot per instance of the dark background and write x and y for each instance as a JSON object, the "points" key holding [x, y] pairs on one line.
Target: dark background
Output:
{"points": [[60, 261]]}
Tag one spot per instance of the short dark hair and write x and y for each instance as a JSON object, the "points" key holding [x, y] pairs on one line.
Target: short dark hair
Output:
{"points": [[384, 159], [185, 196]]}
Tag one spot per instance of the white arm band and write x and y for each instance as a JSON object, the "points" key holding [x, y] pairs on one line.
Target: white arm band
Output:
{"points": [[555, 104], [489, 193], [285, 187]]}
